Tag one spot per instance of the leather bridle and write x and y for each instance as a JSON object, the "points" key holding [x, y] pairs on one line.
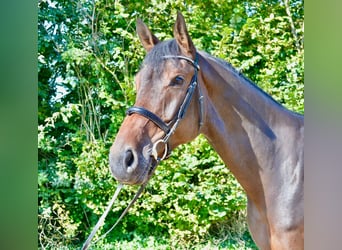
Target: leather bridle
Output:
{"points": [[170, 127]]}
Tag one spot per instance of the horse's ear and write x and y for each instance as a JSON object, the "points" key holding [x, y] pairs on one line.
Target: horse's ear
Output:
{"points": [[182, 37], [146, 37]]}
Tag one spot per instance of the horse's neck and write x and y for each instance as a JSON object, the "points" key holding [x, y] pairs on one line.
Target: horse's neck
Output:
{"points": [[242, 123]]}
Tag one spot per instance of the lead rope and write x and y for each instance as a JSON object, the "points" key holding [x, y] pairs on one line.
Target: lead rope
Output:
{"points": [[102, 218]]}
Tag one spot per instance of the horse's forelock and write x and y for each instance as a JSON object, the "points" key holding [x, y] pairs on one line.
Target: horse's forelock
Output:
{"points": [[155, 59]]}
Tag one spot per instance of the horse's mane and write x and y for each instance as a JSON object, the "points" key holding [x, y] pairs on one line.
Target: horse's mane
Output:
{"points": [[170, 47], [239, 74], [230, 67]]}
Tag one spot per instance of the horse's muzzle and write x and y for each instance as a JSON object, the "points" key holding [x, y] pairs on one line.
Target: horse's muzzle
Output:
{"points": [[130, 166]]}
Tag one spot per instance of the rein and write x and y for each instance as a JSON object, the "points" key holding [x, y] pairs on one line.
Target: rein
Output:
{"points": [[168, 129]]}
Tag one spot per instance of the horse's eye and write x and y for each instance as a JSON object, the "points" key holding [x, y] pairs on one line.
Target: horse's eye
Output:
{"points": [[178, 80]]}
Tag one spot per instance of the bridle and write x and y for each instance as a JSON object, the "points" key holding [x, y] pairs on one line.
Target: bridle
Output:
{"points": [[170, 127]]}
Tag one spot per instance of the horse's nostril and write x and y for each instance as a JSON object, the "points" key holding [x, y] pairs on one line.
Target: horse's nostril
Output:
{"points": [[129, 159]]}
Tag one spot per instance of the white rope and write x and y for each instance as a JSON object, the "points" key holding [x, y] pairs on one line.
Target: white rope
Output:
{"points": [[102, 218]]}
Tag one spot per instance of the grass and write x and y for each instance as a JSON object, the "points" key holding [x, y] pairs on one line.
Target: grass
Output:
{"points": [[224, 241], [151, 242], [223, 236]]}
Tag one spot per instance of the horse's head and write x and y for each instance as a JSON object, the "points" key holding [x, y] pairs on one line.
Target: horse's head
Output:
{"points": [[166, 89]]}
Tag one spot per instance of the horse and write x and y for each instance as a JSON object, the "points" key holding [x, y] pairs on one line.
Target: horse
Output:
{"points": [[183, 92]]}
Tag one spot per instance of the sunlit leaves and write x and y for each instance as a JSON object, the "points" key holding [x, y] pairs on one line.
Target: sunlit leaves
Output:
{"points": [[89, 50]]}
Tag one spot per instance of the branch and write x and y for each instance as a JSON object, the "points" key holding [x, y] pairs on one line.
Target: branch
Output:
{"points": [[293, 29]]}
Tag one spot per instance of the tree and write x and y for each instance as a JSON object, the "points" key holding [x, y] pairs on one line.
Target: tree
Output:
{"points": [[88, 55]]}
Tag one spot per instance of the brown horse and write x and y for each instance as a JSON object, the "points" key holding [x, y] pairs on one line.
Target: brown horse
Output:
{"points": [[182, 92]]}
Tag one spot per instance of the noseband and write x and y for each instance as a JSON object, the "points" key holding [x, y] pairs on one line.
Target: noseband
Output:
{"points": [[169, 128]]}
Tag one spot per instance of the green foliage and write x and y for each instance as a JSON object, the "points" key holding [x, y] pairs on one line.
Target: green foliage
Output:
{"points": [[187, 201], [88, 54]]}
